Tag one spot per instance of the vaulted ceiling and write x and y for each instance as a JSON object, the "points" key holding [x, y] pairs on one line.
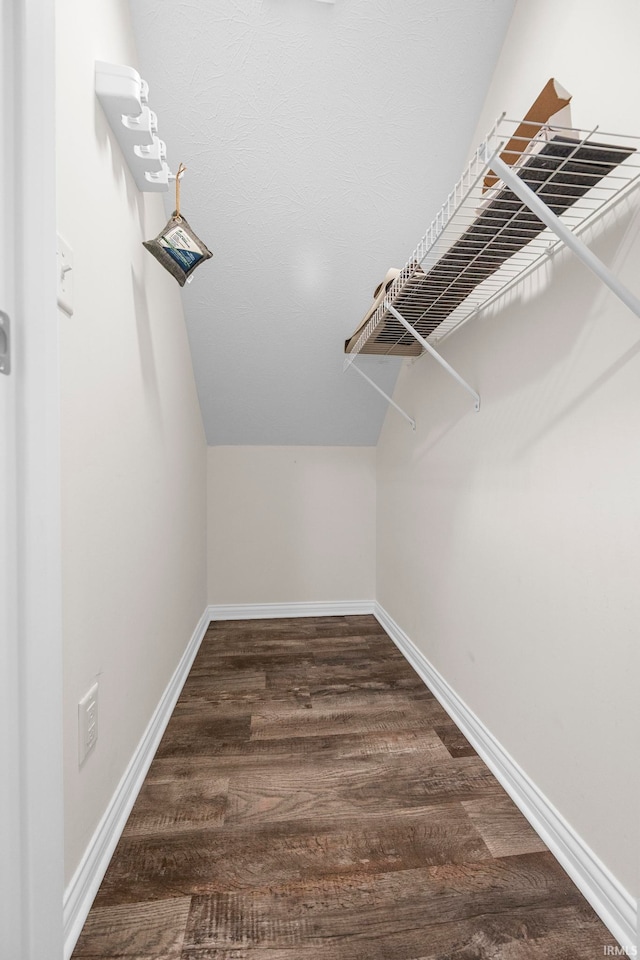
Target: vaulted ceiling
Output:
{"points": [[320, 139]]}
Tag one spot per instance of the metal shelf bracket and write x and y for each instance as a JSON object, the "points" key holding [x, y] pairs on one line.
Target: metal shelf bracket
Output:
{"points": [[349, 364], [549, 218], [434, 353]]}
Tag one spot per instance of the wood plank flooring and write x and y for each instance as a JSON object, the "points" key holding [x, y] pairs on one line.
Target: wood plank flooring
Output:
{"points": [[311, 799]]}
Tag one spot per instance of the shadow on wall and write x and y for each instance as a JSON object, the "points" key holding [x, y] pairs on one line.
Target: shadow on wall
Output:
{"points": [[145, 348], [119, 168], [618, 253], [578, 400]]}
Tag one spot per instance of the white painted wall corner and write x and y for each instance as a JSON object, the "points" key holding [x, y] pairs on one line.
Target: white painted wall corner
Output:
{"points": [[615, 906], [83, 886]]}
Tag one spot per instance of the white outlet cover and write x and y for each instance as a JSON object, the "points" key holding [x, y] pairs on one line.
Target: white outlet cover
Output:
{"points": [[64, 267], [87, 723]]}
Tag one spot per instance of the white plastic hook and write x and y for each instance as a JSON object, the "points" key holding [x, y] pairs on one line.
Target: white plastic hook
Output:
{"points": [[124, 97]]}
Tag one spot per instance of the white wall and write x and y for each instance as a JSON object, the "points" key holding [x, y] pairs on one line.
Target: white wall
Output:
{"points": [[133, 449], [508, 544], [291, 524]]}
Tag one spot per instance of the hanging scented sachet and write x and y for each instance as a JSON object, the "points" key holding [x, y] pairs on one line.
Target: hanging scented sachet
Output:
{"points": [[177, 247]]}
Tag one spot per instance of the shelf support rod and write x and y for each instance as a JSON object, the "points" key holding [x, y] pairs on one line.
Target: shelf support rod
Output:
{"points": [[548, 217], [434, 353], [375, 386]]}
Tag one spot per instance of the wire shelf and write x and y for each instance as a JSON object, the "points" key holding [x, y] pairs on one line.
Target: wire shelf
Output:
{"points": [[484, 238]]}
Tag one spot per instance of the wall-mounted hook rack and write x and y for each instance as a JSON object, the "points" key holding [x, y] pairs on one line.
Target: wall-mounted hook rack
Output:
{"points": [[124, 96]]}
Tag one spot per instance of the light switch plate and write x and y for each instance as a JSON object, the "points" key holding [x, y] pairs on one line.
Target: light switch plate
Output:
{"points": [[87, 723], [64, 264]]}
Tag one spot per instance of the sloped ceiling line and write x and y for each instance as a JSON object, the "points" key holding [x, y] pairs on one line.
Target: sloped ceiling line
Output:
{"points": [[320, 139]]}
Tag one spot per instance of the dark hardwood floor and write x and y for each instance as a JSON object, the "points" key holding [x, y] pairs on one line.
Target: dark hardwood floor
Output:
{"points": [[311, 799]]}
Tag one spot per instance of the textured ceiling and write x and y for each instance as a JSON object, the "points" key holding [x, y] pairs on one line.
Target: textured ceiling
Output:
{"points": [[320, 138]]}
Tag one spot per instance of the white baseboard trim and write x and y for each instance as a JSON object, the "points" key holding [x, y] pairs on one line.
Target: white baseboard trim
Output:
{"points": [[615, 906], [266, 611], [84, 884]]}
